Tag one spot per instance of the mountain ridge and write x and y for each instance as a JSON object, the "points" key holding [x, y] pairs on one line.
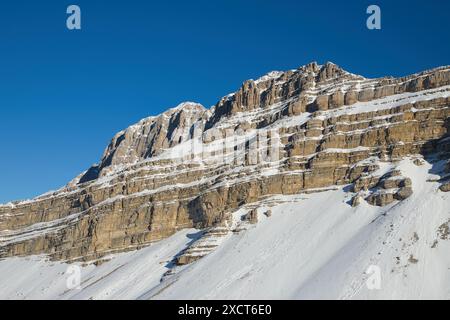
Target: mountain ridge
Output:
{"points": [[323, 71], [326, 126], [209, 112]]}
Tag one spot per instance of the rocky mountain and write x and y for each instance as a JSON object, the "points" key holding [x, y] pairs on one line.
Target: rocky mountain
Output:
{"points": [[317, 131]]}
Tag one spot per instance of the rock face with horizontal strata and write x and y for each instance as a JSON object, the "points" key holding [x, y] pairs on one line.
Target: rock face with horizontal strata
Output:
{"points": [[329, 121]]}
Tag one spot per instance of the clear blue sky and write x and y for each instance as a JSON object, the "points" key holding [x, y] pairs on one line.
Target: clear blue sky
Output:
{"points": [[64, 94]]}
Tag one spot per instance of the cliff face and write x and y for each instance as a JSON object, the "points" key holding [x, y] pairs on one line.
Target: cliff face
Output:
{"points": [[313, 127]]}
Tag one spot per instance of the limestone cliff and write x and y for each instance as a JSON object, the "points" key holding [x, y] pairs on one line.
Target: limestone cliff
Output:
{"points": [[325, 125]]}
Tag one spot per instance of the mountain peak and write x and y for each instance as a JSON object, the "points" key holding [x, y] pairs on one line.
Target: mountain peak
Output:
{"points": [[313, 129], [186, 106], [309, 88]]}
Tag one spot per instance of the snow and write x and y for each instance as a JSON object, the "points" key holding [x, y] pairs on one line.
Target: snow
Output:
{"points": [[127, 275], [311, 249], [340, 150], [269, 76], [388, 102], [314, 245]]}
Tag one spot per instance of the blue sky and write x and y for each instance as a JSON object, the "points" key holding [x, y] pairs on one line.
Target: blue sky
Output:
{"points": [[64, 94]]}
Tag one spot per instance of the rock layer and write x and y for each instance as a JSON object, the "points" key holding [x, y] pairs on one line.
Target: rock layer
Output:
{"points": [[150, 183]]}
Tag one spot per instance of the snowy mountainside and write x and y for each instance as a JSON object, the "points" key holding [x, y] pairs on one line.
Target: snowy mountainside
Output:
{"points": [[313, 245], [309, 183]]}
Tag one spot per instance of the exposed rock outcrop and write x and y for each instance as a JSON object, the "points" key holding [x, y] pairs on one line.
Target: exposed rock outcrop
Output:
{"points": [[323, 123], [445, 187], [205, 245], [252, 216], [381, 190]]}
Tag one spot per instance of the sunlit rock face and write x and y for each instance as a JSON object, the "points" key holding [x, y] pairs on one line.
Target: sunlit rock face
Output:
{"points": [[192, 166]]}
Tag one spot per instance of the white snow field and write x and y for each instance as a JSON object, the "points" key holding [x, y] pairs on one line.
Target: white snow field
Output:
{"points": [[313, 246]]}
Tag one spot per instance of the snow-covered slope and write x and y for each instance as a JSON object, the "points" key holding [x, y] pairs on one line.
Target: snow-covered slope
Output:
{"points": [[313, 245], [191, 167], [125, 276]]}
